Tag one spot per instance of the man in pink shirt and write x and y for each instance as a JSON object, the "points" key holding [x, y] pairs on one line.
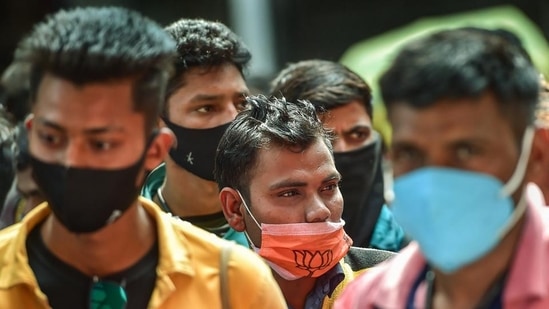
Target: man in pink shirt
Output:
{"points": [[461, 103]]}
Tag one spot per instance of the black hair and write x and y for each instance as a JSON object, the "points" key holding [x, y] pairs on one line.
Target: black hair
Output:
{"points": [[86, 45], [206, 44], [14, 90], [268, 122], [465, 63], [326, 84]]}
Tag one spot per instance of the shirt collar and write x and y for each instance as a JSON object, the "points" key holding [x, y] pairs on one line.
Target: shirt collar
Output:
{"points": [[527, 276], [324, 286]]}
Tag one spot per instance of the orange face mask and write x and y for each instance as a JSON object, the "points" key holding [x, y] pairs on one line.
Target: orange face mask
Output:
{"points": [[299, 250]]}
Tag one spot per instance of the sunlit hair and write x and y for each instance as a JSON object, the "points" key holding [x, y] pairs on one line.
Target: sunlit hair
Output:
{"points": [[465, 63], [205, 44], [269, 122], [88, 45], [326, 84]]}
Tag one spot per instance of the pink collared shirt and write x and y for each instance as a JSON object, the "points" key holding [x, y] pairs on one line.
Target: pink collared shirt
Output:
{"points": [[387, 286]]}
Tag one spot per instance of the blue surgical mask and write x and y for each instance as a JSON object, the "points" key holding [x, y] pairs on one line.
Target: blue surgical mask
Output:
{"points": [[458, 216]]}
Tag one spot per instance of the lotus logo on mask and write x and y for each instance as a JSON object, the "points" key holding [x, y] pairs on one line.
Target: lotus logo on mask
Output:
{"points": [[299, 250], [312, 261]]}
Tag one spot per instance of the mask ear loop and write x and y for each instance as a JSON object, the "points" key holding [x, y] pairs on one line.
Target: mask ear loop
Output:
{"points": [[253, 218], [515, 217], [516, 179]]}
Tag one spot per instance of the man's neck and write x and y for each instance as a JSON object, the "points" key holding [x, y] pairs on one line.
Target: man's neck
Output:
{"points": [[295, 291], [467, 287], [188, 195], [113, 248]]}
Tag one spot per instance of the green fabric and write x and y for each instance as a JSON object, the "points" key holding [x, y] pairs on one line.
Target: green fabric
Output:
{"points": [[155, 181], [371, 57], [387, 235], [107, 295]]}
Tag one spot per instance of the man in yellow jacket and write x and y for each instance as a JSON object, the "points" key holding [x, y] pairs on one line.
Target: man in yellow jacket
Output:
{"points": [[97, 87]]}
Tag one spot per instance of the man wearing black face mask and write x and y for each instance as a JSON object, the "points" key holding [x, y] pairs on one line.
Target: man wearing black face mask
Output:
{"points": [[357, 148], [97, 83], [204, 96]]}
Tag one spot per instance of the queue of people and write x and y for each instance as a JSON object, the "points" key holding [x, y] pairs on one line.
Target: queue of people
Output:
{"points": [[143, 174]]}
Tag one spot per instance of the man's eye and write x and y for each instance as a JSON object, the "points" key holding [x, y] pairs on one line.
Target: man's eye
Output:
{"points": [[464, 152], [205, 109], [360, 134], [408, 156], [331, 187], [102, 145], [50, 139], [288, 193]]}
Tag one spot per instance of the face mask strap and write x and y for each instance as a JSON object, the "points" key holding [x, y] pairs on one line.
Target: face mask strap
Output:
{"points": [[511, 186], [515, 217], [248, 209]]}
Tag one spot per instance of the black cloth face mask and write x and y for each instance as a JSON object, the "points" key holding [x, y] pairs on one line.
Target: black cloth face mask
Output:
{"points": [[362, 190], [86, 199], [196, 148]]}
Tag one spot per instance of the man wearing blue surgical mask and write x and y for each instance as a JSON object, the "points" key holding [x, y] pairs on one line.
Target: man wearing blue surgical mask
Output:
{"points": [[204, 95], [461, 103]]}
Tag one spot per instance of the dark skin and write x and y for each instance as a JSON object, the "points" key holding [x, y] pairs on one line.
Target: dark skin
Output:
{"points": [[95, 126], [307, 181], [209, 97], [468, 134]]}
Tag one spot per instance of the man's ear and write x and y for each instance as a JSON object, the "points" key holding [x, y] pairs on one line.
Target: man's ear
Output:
{"points": [[231, 203], [159, 148], [28, 121], [161, 123]]}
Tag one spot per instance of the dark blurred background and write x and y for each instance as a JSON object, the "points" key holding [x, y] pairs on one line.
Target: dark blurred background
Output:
{"points": [[278, 31]]}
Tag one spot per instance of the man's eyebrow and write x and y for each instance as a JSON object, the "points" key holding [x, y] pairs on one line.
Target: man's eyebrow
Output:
{"points": [[51, 124], [332, 176], [101, 130], [288, 183], [358, 127], [206, 97], [89, 131]]}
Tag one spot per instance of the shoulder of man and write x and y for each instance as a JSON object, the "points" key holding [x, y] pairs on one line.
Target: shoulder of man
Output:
{"points": [[361, 258], [250, 281], [387, 234], [387, 282], [154, 181]]}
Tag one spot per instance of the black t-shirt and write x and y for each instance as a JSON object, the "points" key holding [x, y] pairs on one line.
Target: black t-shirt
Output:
{"points": [[67, 287]]}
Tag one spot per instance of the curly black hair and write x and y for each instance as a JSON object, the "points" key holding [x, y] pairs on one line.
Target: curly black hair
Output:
{"points": [[204, 43]]}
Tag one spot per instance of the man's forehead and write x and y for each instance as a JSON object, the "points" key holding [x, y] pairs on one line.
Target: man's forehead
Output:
{"points": [[283, 162]]}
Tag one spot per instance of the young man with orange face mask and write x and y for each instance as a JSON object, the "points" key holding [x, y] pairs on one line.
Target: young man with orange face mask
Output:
{"points": [[279, 185]]}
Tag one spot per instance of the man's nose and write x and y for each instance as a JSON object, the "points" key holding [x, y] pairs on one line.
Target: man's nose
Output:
{"points": [[317, 211], [74, 155]]}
